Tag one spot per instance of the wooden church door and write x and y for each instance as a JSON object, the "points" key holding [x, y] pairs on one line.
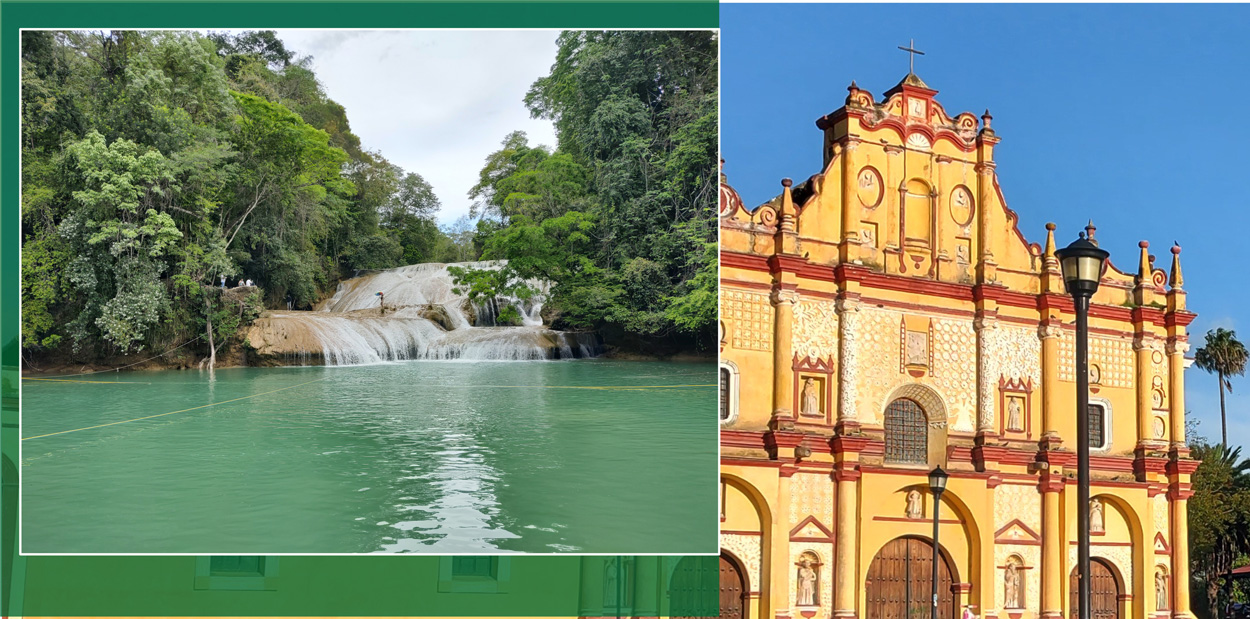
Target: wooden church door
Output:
{"points": [[733, 590], [900, 582], [1104, 592]]}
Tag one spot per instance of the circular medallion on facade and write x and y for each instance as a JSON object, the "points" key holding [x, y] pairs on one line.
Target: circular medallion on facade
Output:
{"points": [[1161, 428], [1157, 356], [962, 208], [869, 187]]}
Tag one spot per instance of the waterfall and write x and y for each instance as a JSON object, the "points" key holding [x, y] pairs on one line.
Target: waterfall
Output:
{"points": [[424, 318]]}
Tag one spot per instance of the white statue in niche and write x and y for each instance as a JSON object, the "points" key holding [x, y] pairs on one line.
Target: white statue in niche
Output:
{"points": [[609, 583], [1161, 590], [915, 509], [1095, 516], [1011, 584], [1015, 416], [810, 401], [806, 582]]}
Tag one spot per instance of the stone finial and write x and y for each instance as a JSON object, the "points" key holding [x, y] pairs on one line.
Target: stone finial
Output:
{"points": [[1089, 232], [1176, 281], [787, 210], [1050, 240], [1143, 265], [986, 118]]}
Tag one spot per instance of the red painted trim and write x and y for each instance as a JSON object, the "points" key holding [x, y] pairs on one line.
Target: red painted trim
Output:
{"points": [[732, 461], [741, 533], [741, 438], [750, 262], [1015, 522], [811, 519]]}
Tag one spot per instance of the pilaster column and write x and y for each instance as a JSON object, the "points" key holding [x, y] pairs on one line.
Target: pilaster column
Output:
{"points": [[1053, 544], [1050, 332], [848, 361], [783, 299], [647, 583], [1177, 346], [1179, 492], [779, 556], [986, 326], [1143, 350], [850, 214], [846, 542]]}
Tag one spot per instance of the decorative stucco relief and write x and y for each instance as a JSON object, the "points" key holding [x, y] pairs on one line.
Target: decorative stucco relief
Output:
{"points": [[824, 580], [955, 370], [877, 343], [1111, 356], [1120, 556], [850, 323], [1007, 352], [1159, 509], [1032, 580], [811, 495], [750, 316], [747, 549], [1017, 502], [815, 329]]}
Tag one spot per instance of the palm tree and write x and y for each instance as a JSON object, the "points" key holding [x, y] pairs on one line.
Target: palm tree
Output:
{"points": [[1224, 356]]}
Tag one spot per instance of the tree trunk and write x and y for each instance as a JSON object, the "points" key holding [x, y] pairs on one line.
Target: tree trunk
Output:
{"points": [[208, 321], [1223, 420]]}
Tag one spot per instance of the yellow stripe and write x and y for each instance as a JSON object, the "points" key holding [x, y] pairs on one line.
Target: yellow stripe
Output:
{"points": [[103, 425]]}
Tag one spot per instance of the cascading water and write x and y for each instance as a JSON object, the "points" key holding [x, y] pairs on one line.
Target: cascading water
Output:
{"points": [[423, 318]]}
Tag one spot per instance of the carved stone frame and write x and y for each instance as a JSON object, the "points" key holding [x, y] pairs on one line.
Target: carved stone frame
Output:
{"points": [[820, 370], [1023, 389]]}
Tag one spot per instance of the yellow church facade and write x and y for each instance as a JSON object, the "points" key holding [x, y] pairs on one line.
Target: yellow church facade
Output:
{"points": [[886, 316]]}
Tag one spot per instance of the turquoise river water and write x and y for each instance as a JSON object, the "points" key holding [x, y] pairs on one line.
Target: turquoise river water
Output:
{"points": [[585, 456]]}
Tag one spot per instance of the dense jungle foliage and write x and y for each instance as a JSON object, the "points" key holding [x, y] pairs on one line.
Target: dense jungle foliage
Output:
{"points": [[620, 216], [157, 163]]}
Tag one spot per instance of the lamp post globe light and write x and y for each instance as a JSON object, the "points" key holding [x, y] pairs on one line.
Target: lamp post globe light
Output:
{"points": [[1082, 264], [937, 484]]}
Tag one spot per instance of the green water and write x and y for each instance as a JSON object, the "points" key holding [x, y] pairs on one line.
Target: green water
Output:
{"points": [[421, 456]]}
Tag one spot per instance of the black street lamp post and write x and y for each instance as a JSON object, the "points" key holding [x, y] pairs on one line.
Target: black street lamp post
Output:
{"points": [[937, 483], [1082, 264]]}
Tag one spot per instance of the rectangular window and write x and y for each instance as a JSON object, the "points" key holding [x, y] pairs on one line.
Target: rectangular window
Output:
{"points": [[237, 566], [1097, 426], [725, 377], [236, 573], [474, 574], [474, 567]]}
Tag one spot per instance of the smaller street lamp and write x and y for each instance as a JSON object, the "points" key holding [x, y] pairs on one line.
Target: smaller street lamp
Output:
{"points": [[937, 484], [1082, 263]]}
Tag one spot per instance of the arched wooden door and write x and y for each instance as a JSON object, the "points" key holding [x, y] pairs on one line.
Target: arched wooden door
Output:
{"points": [[1104, 592], [900, 582], [733, 589]]}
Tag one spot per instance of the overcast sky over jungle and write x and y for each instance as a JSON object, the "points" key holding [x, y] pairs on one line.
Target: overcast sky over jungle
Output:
{"points": [[434, 102], [1128, 114]]}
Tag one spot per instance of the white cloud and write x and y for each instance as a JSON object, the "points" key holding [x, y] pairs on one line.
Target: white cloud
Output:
{"points": [[434, 102]]}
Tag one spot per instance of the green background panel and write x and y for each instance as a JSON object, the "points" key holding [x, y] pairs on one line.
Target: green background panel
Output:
{"points": [[308, 586]]}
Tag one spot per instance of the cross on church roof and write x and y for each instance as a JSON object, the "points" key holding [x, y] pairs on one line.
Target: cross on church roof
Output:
{"points": [[910, 49]]}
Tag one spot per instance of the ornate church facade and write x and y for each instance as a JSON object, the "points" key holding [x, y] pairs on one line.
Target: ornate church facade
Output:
{"points": [[887, 316]]}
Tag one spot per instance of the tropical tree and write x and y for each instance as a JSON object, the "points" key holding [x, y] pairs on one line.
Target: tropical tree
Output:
{"points": [[1219, 517], [1224, 356]]}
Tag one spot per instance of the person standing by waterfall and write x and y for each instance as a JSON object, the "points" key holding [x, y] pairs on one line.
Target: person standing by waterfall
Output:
{"points": [[381, 302]]}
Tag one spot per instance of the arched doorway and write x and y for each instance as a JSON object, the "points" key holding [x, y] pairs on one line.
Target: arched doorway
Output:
{"points": [[900, 581], [733, 589], [1104, 591]]}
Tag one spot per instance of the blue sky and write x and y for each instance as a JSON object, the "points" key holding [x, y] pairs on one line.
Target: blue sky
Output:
{"points": [[1137, 116]]}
